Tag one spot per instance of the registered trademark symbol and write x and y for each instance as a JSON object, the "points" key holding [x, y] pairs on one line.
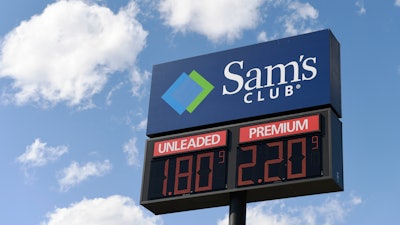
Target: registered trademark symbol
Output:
{"points": [[298, 86]]}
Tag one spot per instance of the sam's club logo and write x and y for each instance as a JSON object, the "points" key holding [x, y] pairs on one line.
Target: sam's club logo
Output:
{"points": [[187, 92]]}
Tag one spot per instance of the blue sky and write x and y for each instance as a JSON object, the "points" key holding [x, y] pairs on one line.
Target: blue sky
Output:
{"points": [[74, 91]]}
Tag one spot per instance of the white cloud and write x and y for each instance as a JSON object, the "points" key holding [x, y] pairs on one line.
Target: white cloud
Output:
{"points": [[361, 8], [355, 199], [397, 3], [142, 125], [262, 36], [218, 20], [113, 210], [111, 92], [332, 211], [301, 18], [75, 173], [39, 154], [132, 152], [137, 79], [66, 53]]}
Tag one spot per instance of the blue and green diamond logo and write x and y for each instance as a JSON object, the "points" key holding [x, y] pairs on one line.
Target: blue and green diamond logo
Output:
{"points": [[187, 92]]}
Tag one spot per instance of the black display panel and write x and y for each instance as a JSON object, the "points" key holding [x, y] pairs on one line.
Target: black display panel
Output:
{"points": [[279, 160], [271, 158], [185, 174]]}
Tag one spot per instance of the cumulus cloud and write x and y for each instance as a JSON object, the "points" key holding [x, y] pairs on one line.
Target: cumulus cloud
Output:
{"points": [[113, 210], [330, 212], [38, 154], [300, 19], [75, 173], [397, 3], [66, 53], [218, 20], [132, 152]]}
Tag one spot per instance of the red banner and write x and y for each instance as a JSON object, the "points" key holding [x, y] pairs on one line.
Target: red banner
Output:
{"points": [[190, 143], [280, 129]]}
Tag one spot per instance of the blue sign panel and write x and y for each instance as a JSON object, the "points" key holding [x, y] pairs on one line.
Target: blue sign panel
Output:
{"points": [[290, 74]]}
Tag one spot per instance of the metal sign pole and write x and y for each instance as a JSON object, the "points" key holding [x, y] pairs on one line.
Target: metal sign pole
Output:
{"points": [[237, 208]]}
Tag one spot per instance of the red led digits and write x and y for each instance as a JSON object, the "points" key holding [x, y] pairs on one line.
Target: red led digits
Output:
{"points": [[221, 155], [302, 159], [315, 142], [183, 176], [289, 160], [165, 181], [267, 163], [253, 150], [189, 174], [210, 156]]}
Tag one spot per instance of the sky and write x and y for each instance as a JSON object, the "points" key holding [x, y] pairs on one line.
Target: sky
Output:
{"points": [[74, 91]]}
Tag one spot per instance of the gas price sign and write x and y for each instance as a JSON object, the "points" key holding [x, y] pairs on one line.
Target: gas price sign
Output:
{"points": [[260, 122], [271, 158], [182, 168], [188, 165]]}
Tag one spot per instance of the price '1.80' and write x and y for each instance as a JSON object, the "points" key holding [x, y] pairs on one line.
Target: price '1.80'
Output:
{"points": [[188, 173]]}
